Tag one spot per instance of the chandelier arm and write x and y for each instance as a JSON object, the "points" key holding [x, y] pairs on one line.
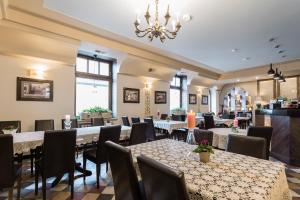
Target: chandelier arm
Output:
{"points": [[144, 30], [172, 37], [143, 35]]}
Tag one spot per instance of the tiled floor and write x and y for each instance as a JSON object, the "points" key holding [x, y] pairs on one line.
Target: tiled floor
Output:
{"points": [[105, 192]]}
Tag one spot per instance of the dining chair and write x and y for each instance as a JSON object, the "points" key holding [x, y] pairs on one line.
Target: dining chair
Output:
{"points": [[99, 121], [98, 155], [44, 125], [263, 132], [11, 125], [125, 121], [126, 184], [138, 133], [201, 135], [247, 145], [10, 172], [209, 121], [161, 181], [135, 120], [176, 117], [57, 158], [74, 123], [151, 134], [164, 116]]}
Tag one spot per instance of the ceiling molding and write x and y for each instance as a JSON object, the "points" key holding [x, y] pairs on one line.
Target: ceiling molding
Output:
{"points": [[46, 20]]}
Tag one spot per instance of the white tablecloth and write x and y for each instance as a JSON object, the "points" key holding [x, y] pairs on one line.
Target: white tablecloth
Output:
{"points": [[227, 176], [218, 121], [221, 136], [169, 125], [25, 141]]}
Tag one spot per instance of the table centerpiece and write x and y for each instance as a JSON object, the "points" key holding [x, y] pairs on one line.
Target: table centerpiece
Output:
{"points": [[204, 150]]}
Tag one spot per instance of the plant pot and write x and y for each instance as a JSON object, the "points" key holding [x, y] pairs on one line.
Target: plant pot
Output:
{"points": [[204, 157]]}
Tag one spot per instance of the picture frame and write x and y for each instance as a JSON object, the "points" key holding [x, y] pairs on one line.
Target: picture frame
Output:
{"points": [[160, 97], [192, 99], [204, 100], [131, 95], [29, 89]]}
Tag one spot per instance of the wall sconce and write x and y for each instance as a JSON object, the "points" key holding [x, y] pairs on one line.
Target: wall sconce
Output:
{"points": [[148, 86], [36, 73]]}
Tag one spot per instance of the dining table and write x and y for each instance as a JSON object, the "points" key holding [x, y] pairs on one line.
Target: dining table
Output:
{"points": [[169, 125], [227, 175], [217, 120], [220, 136], [24, 141]]}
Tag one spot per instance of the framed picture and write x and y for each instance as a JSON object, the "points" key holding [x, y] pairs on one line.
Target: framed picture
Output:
{"points": [[192, 99], [131, 95], [160, 97], [34, 89], [204, 100]]}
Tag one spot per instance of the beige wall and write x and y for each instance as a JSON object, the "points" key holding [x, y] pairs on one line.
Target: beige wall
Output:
{"points": [[27, 112], [193, 89]]}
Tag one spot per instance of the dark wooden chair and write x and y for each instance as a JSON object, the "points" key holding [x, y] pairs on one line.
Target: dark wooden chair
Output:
{"points": [[201, 135], [74, 123], [138, 133], [263, 132], [247, 145], [163, 116], [126, 184], [44, 125], [209, 121], [10, 124], [151, 134], [97, 121], [99, 155], [135, 120], [10, 172], [160, 181], [125, 121], [57, 158]]}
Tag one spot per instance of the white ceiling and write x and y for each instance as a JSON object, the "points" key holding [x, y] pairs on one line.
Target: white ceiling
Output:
{"points": [[217, 27]]}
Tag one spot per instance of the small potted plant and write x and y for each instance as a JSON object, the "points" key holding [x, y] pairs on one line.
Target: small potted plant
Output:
{"points": [[9, 129], [204, 150]]}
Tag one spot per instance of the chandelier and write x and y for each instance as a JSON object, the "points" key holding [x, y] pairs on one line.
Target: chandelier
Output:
{"points": [[155, 28]]}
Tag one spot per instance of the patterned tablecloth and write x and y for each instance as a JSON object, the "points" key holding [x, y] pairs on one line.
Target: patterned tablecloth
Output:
{"points": [[169, 125], [227, 176], [25, 141], [218, 121], [221, 136]]}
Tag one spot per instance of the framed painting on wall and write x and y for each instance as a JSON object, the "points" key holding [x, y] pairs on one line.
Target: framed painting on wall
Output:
{"points": [[131, 95], [192, 99], [204, 100], [160, 97], [29, 89]]}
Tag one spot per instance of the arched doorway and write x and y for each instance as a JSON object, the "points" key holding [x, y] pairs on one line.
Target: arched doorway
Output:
{"points": [[237, 99]]}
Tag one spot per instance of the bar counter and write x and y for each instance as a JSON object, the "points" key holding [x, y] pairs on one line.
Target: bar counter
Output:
{"points": [[285, 144]]}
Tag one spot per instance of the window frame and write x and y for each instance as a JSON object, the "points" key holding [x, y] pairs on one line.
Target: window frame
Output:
{"points": [[92, 76], [180, 88]]}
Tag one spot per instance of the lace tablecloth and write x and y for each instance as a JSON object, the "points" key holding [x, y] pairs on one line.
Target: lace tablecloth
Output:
{"points": [[227, 176], [218, 121], [221, 136], [25, 141], [169, 125]]}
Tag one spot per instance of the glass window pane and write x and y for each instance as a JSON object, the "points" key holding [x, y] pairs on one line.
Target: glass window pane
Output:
{"points": [[81, 64], [93, 67], [174, 99], [173, 83], [288, 89], [90, 93], [177, 82], [104, 69]]}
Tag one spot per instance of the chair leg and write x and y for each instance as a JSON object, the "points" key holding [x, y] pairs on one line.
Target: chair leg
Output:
{"points": [[98, 167], [11, 193], [84, 168], [44, 187], [36, 181], [106, 167], [19, 186], [71, 181], [31, 164]]}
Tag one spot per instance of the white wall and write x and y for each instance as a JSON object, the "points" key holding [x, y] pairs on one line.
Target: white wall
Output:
{"points": [[27, 112], [193, 89], [133, 109]]}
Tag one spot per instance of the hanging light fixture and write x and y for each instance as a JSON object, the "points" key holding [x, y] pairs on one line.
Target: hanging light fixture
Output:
{"points": [[271, 72], [155, 28], [281, 77]]}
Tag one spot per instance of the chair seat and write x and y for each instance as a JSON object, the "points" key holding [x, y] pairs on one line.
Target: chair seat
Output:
{"points": [[161, 136], [91, 155]]}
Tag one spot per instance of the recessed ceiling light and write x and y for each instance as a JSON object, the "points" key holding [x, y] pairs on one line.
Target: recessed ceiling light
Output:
{"points": [[277, 46], [281, 51], [246, 59], [187, 17], [234, 50], [283, 56], [272, 40]]}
